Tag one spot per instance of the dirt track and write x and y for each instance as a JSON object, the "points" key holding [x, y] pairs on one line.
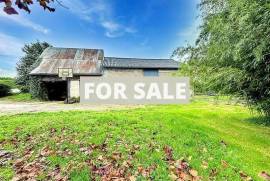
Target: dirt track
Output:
{"points": [[8, 108]]}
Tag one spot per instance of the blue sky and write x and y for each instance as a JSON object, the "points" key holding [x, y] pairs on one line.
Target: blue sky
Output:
{"points": [[123, 28]]}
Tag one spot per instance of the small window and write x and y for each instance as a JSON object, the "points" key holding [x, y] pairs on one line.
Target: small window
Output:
{"points": [[150, 72]]}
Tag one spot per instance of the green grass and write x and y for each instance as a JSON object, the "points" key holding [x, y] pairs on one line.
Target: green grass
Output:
{"points": [[9, 82], [21, 97], [195, 132]]}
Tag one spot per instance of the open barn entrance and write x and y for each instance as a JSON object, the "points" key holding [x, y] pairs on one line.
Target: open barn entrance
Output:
{"points": [[57, 91]]}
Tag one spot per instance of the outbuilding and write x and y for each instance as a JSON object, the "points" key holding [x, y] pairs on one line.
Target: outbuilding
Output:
{"points": [[91, 62]]}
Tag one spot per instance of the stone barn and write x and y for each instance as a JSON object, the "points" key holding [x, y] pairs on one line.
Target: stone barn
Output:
{"points": [[91, 62]]}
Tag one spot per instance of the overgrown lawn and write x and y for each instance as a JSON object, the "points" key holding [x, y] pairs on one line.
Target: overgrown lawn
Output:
{"points": [[202, 140], [20, 97]]}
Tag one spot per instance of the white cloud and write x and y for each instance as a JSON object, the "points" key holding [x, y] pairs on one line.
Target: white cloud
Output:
{"points": [[130, 30], [10, 46], [86, 11], [100, 12], [111, 26], [115, 30], [23, 21]]}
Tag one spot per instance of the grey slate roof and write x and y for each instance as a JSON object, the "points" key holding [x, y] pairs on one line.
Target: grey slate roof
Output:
{"points": [[113, 62], [82, 61]]}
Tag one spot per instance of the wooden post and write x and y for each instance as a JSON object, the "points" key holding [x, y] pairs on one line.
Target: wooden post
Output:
{"points": [[68, 90]]}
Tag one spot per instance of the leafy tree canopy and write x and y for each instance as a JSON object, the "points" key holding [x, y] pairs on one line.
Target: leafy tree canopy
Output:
{"points": [[232, 53], [24, 5], [28, 62]]}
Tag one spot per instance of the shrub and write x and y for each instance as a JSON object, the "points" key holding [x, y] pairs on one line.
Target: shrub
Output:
{"points": [[4, 90], [37, 89]]}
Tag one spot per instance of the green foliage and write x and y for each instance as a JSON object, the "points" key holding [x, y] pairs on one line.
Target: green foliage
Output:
{"points": [[4, 90], [24, 5], [37, 88], [232, 54], [26, 65], [195, 132], [21, 97], [74, 100], [8, 81]]}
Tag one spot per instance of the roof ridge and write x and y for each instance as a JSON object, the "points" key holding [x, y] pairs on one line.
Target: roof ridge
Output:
{"points": [[141, 58], [77, 48]]}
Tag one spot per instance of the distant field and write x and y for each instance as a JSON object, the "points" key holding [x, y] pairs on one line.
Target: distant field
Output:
{"points": [[15, 97], [203, 140], [8, 81]]}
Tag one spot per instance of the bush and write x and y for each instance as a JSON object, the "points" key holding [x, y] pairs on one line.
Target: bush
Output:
{"points": [[24, 89], [37, 88], [4, 90]]}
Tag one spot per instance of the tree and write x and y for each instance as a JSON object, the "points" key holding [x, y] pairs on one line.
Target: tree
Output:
{"points": [[234, 47], [24, 5], [29, 62]]}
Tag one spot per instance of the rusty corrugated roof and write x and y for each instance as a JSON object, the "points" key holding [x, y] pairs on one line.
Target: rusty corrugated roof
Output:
{"points": [[82, 61]]}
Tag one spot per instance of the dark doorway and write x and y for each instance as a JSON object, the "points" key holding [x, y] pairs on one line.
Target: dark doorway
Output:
{"points": [[57, 91]]}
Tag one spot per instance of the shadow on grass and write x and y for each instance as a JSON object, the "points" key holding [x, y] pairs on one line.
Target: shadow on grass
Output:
{"points": [[260, 120]]}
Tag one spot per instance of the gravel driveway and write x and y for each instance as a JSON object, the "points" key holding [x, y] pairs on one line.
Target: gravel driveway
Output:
{"points": [[7, 108]]}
